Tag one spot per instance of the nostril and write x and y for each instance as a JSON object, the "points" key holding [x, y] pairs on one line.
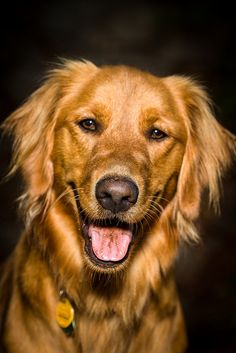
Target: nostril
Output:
{"points": [[116, 193]]}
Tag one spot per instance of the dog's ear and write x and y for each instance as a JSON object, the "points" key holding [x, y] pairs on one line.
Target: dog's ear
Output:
{"points": [[33, 130], [209, 151], [32, 127]]}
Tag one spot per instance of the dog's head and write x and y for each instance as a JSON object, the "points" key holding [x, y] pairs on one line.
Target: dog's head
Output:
{"points": [[115, 161]]}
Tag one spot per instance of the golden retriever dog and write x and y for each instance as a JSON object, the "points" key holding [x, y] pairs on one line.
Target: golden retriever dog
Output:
{"points": [[114, 161]]}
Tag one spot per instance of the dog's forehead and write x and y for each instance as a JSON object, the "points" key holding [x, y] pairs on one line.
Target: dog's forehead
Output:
{"points": [[122, 88], [122, 82]]}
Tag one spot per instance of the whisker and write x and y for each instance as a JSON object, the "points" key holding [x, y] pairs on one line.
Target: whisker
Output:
{"points": [[64, 193], [157, 199], [156, 209]]}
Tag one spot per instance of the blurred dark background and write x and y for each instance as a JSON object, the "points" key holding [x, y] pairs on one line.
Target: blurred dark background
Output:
{"points": [[164, 38]]}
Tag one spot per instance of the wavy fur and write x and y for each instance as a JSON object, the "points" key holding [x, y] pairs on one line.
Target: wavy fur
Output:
{"points": [[133, 307]]}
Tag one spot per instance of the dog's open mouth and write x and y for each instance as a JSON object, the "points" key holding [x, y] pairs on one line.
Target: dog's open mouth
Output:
{"points": [[107, 242]]}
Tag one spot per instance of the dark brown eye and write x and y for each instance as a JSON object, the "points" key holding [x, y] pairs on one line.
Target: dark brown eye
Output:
{"points": [[88, 124], [157, 134]]}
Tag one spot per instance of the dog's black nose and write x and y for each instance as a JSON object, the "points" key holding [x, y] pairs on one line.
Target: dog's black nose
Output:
{"points": [[116, 194]]}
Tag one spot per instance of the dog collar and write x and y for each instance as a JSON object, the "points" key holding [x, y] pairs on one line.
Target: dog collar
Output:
{"points": [[65, 314]]}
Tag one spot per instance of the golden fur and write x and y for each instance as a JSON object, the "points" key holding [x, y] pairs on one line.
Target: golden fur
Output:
{"points": [[132, 307]]}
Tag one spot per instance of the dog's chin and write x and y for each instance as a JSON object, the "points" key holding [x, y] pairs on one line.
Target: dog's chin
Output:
{"points": [[107, 242]]}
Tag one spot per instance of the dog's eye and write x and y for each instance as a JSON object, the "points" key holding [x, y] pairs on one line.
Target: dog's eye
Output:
{"points": [[88, 124], [157, 134]]}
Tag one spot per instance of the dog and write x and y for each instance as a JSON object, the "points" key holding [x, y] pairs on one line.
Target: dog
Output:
{"points": [[114, 162]]}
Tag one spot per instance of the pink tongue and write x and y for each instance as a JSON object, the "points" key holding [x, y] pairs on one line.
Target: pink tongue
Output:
{"points": [[109, 244]]}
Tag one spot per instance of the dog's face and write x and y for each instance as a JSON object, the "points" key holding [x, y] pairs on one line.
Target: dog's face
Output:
{"points": [[114, 161], [119, 147]]}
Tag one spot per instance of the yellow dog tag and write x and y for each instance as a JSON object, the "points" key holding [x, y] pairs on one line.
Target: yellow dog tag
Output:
{"points": [[65, 315]]}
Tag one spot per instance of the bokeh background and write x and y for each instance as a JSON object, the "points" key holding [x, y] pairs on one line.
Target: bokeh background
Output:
{"points": [[196, 39]]}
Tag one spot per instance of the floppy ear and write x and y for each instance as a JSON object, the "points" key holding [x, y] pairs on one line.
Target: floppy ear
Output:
{"points": [[32, 127], [209, 151]]}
